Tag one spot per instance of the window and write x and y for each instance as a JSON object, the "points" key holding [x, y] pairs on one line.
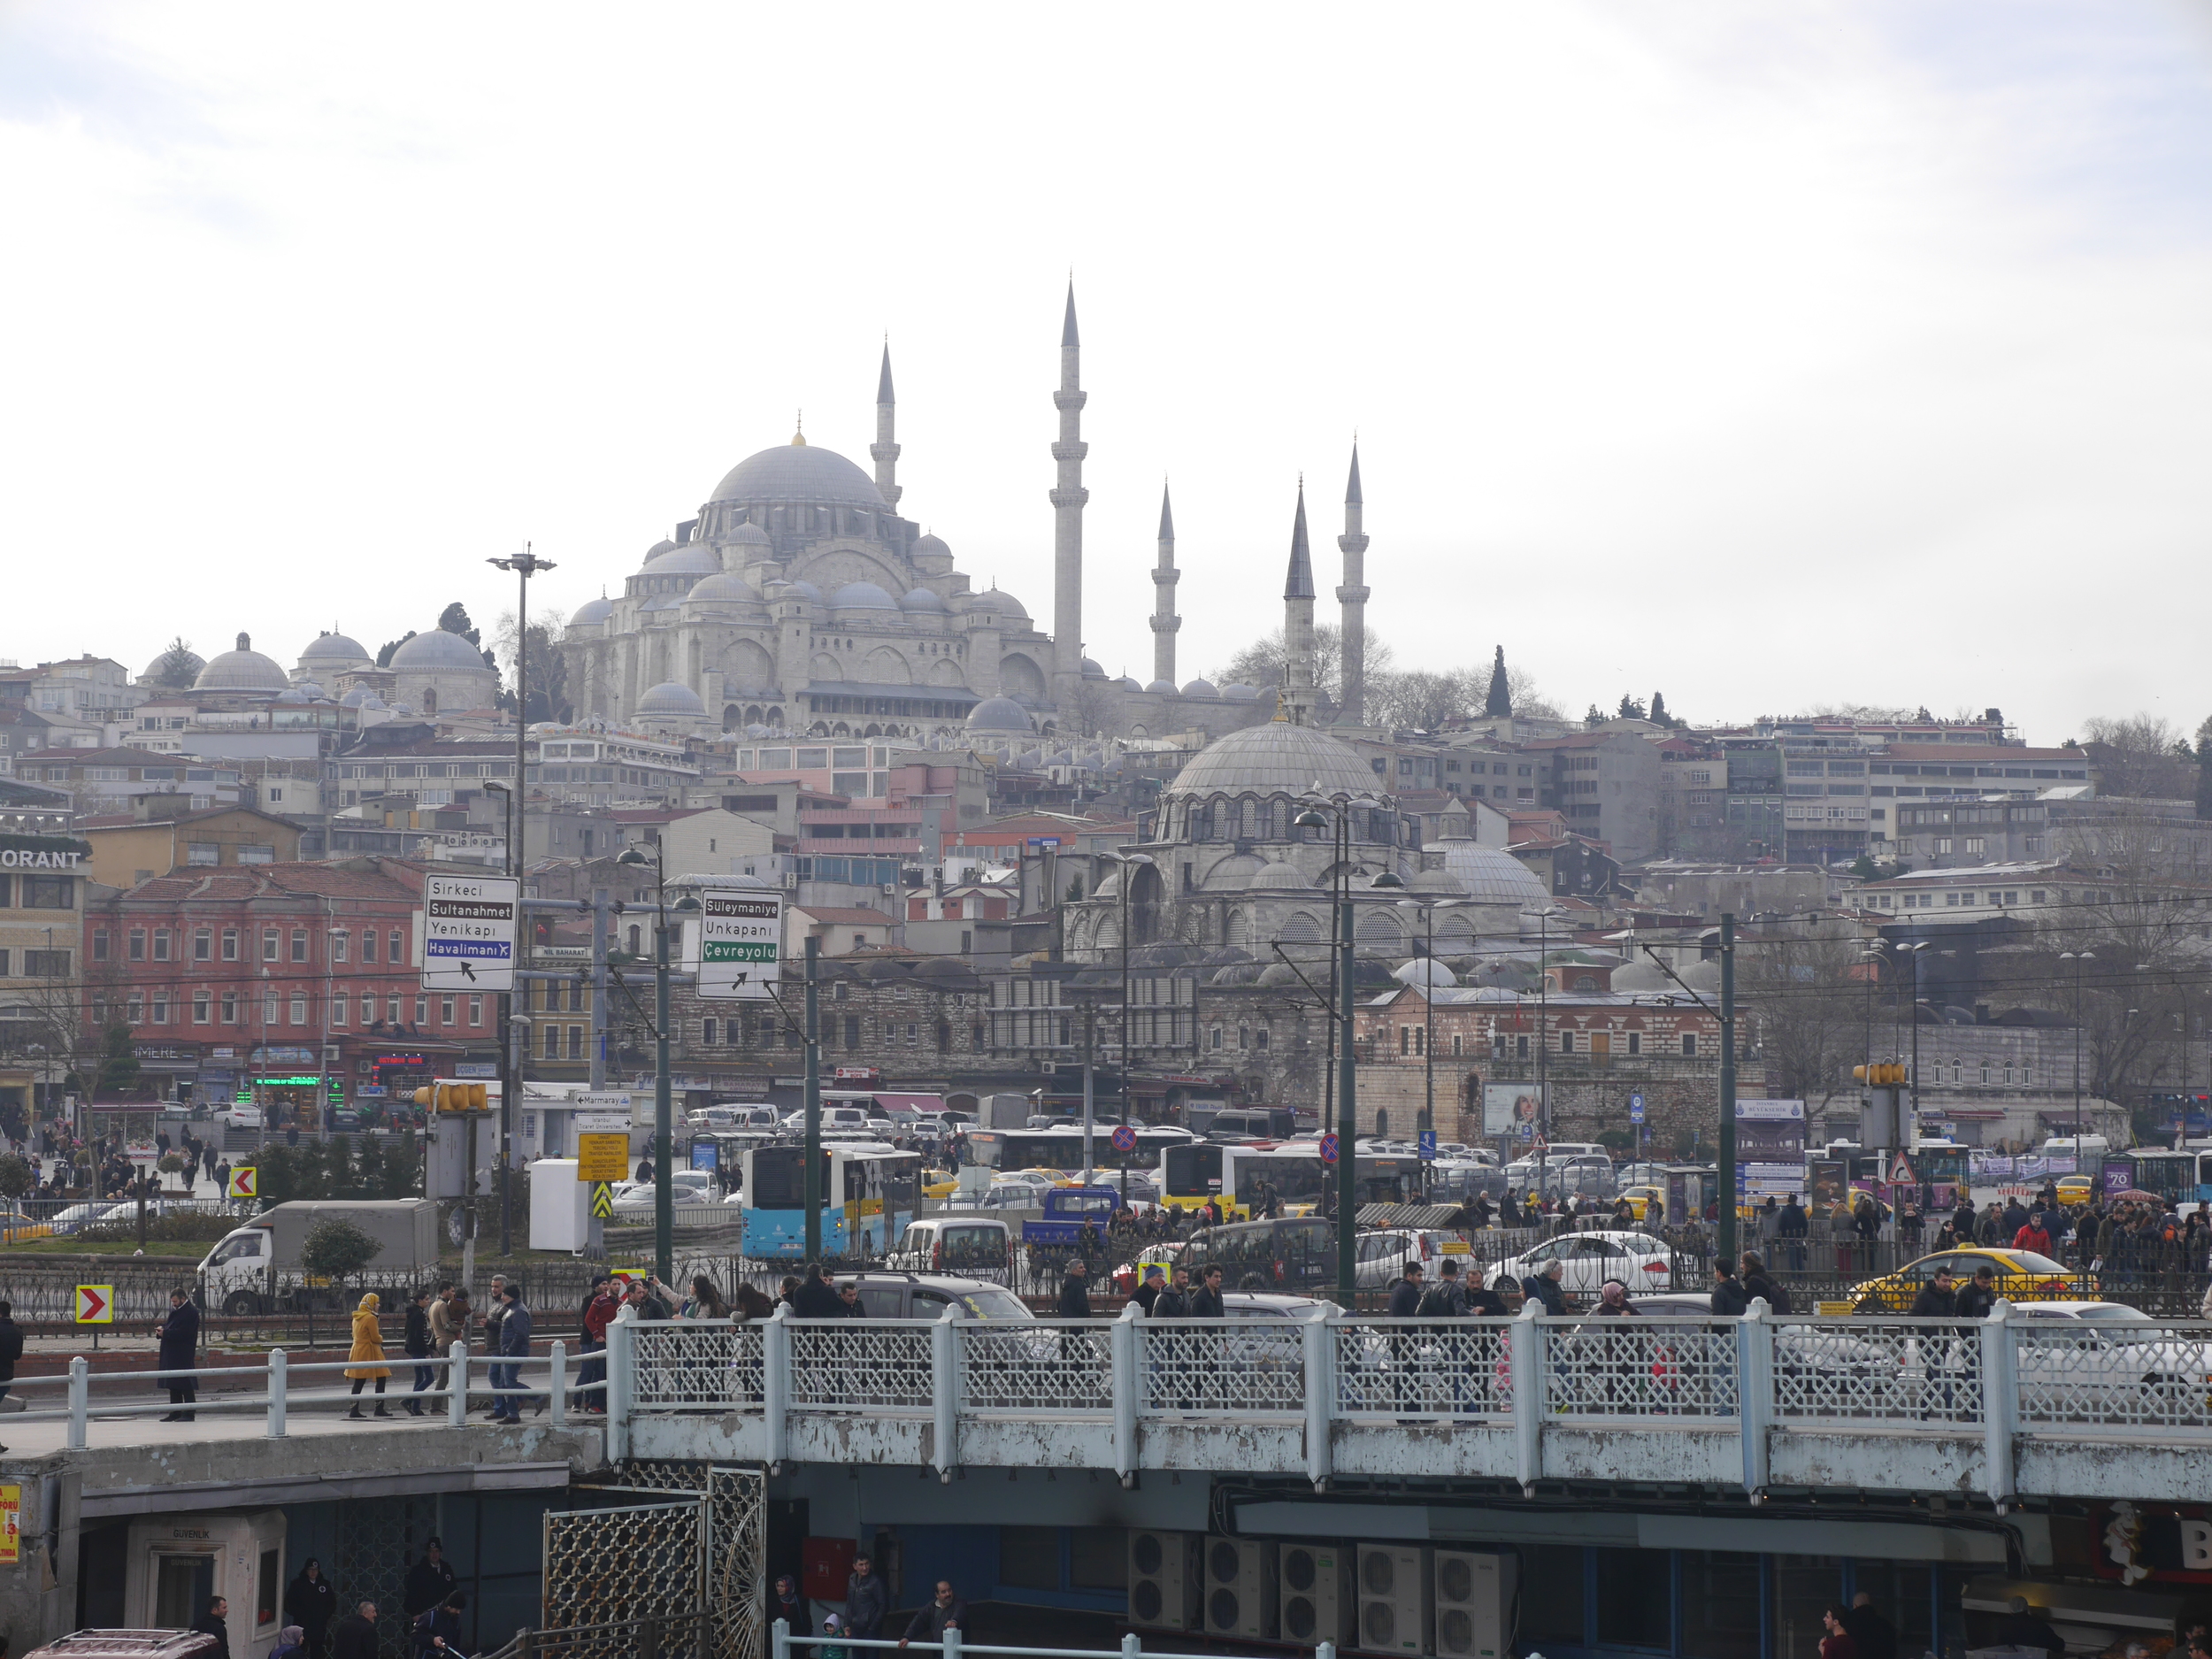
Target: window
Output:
{"points": [[1213, 1037], [230, 944], [476, 1010], [1566, 1042], [1520, 1047], [269, 1006], [398, 953], [269, 945], [299, 1007], [340, 1003], [1943, 844], [1689, 1045], [203, 1008], [368, 1010], [339, 945], [552, 1042], [134, 1008], [707, 1031], [202, 944], [161, 944], [138, 944], [200, 854], [45, 965], [446, 1005], [852, 1030], [49, 892], [391, 1010], [1635, 1042], [160, 1000], [299, 944], [368, 944], [422, 1011], [230, 1008], [100, 945]]}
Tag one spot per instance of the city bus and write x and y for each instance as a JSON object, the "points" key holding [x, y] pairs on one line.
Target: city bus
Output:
{"points": [[1293, 1170], [2184, 1176], [1061, 1147], [870, 1193]]}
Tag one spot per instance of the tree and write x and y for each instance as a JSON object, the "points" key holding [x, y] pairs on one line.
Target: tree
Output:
{"points": [[1807, 992], [1632, 707], [384, 652], [173, 670], [2141, 757], [1497, 704], [339, 1174], [2204, 770], [1659, 715], [1592, 716], [1418, 699], [337, 1249], [1261, 663], [455, 619], [118, 1061], [1528, 702], [548, 671], [17, 1175]]}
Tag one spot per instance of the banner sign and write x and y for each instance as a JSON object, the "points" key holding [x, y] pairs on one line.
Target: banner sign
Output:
{"points": [[733, 947]]}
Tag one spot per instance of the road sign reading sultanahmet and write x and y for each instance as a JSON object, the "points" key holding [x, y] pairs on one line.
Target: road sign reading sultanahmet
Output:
{"points": [[468, 933], [733, 947]]}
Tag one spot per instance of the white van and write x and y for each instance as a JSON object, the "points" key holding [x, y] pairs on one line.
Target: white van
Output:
{"points": [[953, 1244], [2075, 1147]]}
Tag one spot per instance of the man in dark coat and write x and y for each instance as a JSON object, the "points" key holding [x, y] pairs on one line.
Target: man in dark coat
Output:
{"points": [[311, 1603], [429, 1581], [945, 1610], [816, 1297], [866, 1601], [1205, 1302], [180, 1335], [514, 1347], [1728, 1297], [1075, 1291], [355, 1636], [210, 1624], [437, 1629]]}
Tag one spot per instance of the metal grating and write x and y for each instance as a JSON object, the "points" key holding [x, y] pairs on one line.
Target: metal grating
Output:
{"points": [[737, 1571], [625, 1563]]}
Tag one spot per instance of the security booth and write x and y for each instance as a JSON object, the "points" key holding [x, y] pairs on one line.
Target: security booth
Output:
{"points": [[176, 1562]]}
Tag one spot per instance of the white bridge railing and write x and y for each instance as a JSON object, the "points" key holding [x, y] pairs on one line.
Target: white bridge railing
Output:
{"points": [[1992, 1406]]}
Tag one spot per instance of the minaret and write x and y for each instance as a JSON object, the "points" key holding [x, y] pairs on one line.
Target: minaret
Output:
{"points": [[884, 451], [1298, 700], [1165, 623], [1352, 695], [1068, 498]]}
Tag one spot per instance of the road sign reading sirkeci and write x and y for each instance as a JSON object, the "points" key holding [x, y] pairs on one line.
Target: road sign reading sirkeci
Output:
{"points": [[468, 933], [731, 948]]}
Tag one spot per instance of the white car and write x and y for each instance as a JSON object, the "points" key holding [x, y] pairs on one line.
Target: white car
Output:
{"points": [[241, 1115], [2082, 1354], [1384, 1252], [1638, 1260]]}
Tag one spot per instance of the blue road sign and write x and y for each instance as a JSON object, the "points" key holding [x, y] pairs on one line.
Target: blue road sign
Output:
{"points": [[1328, 1148], [1635, 1108], [1428, 1143], [1125, 1138]]}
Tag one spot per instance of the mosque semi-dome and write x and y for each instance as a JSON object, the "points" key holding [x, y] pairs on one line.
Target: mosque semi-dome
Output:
{"points": [[1425, 971], [1243, 694], [993, 599], [921, 599], [1282, 878], [1490, 874], [1165, 688], [800, 471], [691, 559], [1275, 758], [438, 650], [862, 596], [671, 700], [998, 714], [592, 613], [749, 534], [724, 588], [241, 669]]}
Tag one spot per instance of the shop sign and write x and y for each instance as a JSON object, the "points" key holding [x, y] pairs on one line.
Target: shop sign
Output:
{"points": [[2162, 1543], [477, 1068], [283, 1056]]}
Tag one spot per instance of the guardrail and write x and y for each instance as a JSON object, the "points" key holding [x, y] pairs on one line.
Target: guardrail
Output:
{"points": [[784, 1644], [1957, 1404], [279, 1392]]}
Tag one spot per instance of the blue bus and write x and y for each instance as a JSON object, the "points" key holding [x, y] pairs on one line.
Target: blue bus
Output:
{"points": [[869, 1195]]}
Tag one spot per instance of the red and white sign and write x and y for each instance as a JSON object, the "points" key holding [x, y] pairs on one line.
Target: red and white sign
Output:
{"points": [[95, 1304]]}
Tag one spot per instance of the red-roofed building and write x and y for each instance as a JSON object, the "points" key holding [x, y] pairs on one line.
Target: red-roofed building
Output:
{"points": [[285, 980]]}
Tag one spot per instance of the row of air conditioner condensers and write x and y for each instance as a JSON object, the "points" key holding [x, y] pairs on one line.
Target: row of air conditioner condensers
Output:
{"points": [[1406, 1599]]}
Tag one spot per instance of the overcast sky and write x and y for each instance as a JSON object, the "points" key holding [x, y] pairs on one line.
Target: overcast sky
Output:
{"points": [[1768, 357]]}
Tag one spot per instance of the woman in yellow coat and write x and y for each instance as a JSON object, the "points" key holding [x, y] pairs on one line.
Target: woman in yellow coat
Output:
{"points": [[368, 1346]]}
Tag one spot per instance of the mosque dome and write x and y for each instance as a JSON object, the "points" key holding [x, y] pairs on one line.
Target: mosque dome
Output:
{"points": [[749, 534], [1491, 875], [1243, 694], [1277, 974], [926, 546], [724, 588], [691, 559], [671, 700], [1640, 977], [1200, 688], [374, 704], [995, 599], [1439, 883], [1425, 971], [591, 612], [658, 547], [335, 648], [1276, 759], [194, 661], [998, 714], [800, 471], [1092, 670], [294, 695], [242, 669], [1285, 877], [1128, 682], [438, 650], [800, 590], [354, 698], [313, 691], [1165, 688], [921, 599], [1232, 874], [862, 596]]}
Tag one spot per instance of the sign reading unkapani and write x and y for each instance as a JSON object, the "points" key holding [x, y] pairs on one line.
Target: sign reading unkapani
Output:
{"points": [[468, 933], [733, 946]]}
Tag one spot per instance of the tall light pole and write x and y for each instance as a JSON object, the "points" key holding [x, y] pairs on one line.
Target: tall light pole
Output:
{"points": [[524, 564], [1428, 1016], [1128, 864], [2077, 957], [664, 1129], [1543, 1044], [1346, 1071]]}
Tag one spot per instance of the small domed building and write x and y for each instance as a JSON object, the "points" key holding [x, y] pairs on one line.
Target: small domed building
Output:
{"points": [[437, 672]]}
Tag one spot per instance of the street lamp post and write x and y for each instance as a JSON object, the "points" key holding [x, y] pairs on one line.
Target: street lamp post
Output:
{"points": [[2077, 957], [664, 1129], [1428, 1018], [1129, 863], [524, 564], [1346, 1073], [1543, 1046]]}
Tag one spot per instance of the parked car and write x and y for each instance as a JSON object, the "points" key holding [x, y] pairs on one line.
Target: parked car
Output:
{"points": [[2102, 1355], [1637, 1259], [941, 1244], [892, 1295], [1384, 1252], [76, 1216], [240, 1115]]}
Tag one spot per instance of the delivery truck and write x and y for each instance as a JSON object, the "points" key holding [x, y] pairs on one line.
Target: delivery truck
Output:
{"points": [[257, 1268]]}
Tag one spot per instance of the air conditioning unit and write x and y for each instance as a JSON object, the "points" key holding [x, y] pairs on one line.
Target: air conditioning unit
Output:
{"points": [[1317, 1601], [1474, 1603], [1241, 1588], [1393, 1599], [1165, 1580]]}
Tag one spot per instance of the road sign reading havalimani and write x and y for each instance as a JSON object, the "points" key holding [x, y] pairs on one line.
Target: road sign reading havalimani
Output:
{"points": [[732, 947], [468, 933], [95, 1304]]}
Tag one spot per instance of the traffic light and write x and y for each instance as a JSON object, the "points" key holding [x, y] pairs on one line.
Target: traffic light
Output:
{"points": [[1889, 1076], [453, 1097]]}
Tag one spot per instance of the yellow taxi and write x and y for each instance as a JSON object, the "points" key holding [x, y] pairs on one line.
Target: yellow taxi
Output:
{"points": [[1639, 1200], [2022, 1275], [940, 1185], [2076, 1189]]}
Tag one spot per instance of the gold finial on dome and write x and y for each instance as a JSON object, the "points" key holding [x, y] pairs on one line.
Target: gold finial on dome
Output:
{"points": [[798, 438], [1282, 713]]}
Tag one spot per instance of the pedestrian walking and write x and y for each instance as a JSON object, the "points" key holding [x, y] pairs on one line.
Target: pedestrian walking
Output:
{"points": [[514, 1345], [311, 1603], [210, 1623], [1728, 1297], [291, 1643], [1147, 1293], [816, 1298], [355, 1636], [1757, 1286], [420, 1347], [366, 1356], [180, 1335], [1075, 1291], [1173, 1301], [1837, 1644], [945, 1612], [1546, 1288], [866, 1601]]}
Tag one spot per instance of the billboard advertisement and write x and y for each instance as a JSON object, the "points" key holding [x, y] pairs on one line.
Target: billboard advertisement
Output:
{"points": [[1507, 1108]]}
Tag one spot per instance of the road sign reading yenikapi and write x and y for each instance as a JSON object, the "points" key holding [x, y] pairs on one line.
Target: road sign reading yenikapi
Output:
{"points": [[733, 946], [468, 933]]}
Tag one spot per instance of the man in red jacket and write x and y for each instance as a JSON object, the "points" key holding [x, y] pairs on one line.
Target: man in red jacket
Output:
{"points": [[2033, 1236]]}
